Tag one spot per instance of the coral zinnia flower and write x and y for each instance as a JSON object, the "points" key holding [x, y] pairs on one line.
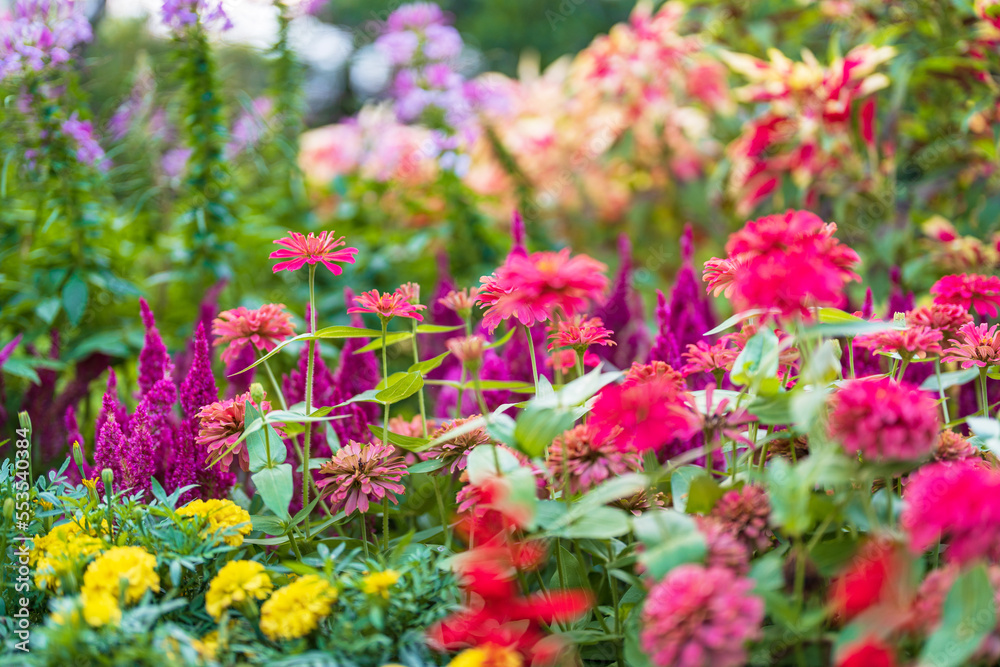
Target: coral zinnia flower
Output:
{"points": [[947, 318], [455, 452], [788, 262], [386, 306], [299, 250], [720, 273], [976, 346], [264, 328], [534, 288], [884, 420], [648, 414], [916, 342], [460, 301], [969, 291], [590, 458], [222, 424], [362, 474], [642, 373], [701, 357], [579, 333]]}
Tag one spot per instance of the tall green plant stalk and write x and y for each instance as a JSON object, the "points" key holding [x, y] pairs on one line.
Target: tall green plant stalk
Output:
{"points": [[385, 434], [307, 445], [531, 353]]}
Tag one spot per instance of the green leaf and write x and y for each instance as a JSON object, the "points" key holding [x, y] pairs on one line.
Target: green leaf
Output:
{"points": [[503, 339], [950, 379], [435, 328], [609, 491], [430, 465], [758, 360], [969, 614], [482, 463], [428, 365], [600, 523], [390, 339], [703, 493], [848, 329], [275, 488], [22, 369], [259, 442], [48, 309], [790, 494], [680, 484], [322, 334], [536, 428], [736, 319], [407, 442], [271, 525], [402, 389], [671, 539], [74, 298]]}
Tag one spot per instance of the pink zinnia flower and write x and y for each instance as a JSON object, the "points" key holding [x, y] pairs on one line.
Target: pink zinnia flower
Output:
{"points": [[976, 346], [745, 514], [298, 250], [969, 291], [915, 342], [642, 373], [534, 288], [947, 318], [952, 446], [957, 502], [884, 420], [789, 262], [722, 548], [565, 360], [648, 414], [702, 357], [467, 349], [358, 475], [386, 306], [410, 292], [222, 424], [461, 301], [591, 458], [455, 452], [700, 616], [579, 333], [264, 328]]}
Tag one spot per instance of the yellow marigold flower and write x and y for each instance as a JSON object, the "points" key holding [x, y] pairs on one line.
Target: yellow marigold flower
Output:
{"points": [[207, 646], [59, 552], [487, 655], [379, 583], [237, 581], [91, 484], [221, 515], [100, 607], [133, 564], [295, 610]]}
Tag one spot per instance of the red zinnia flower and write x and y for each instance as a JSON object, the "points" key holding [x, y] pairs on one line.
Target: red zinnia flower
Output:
{"points": [[976, 346], [265, 328], [649, 414], [868, 579], [579, 333], [299, 250], [969, 291], [386, 306], [868, 653], [535, 287]]}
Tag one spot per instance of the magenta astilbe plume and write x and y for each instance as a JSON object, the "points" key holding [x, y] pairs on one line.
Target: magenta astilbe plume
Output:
{"points": [[154, 362], [899, 301], [198, 388], [109, 447], [623, 314], [110, 406], [665, 346]]}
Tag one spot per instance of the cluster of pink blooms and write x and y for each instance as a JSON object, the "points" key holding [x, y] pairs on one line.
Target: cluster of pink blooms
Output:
{"points": [[784, 264]]}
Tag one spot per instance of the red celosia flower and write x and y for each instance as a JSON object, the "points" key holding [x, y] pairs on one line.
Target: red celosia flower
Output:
{"points": [[534, 288], [884, 420], [788, 263], [868, 653], [298, 250], [496, 613], [579, 333], [590, 458], [642, 373], [969, 290], [947, 318], [914, 342], [361, 474], [700, 616], [976, 346], [649, 414], [264, 328], [386, 306], [701, 357], [222, 424], [868, 580], [957, 502]]}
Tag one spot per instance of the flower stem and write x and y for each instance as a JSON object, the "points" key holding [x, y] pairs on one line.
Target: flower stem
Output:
{"points": [[364, 533], [385, 521], [442, 512], [944, 399], [984, 400], [385, 435], [850, 354], [531, 353], [274, 382], [307, 444], [420, 393]]}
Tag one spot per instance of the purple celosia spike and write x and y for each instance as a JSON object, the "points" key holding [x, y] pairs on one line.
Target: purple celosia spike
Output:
{"points": [[138, 455], [8, 350], [623, 314], [110, 405], [154, 362], [899, 301], [665, 347], [109, 447], [690, 310], [357, 372], [868, 308], [294, 383], [198, 388], [517, 246]]}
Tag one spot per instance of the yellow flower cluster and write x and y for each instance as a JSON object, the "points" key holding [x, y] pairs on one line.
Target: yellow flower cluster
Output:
{"points": [[237, 581], [487, 655], [379, 583], [221, 515], [103, 583], [58, 553], [296, 609], [207, 646]]}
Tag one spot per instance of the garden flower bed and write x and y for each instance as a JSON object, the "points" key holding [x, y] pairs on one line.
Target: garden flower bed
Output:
{"points": [[361, 458]]}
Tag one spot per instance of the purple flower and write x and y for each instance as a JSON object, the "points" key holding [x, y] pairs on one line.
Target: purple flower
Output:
{"points": [[86, 148], [665, 347], [623, 314], [250, 126], [415, 16], [39, 34], [154, 362], [398, 47], [174, 161], [137, 454], [178, 15], [442, 42]]}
